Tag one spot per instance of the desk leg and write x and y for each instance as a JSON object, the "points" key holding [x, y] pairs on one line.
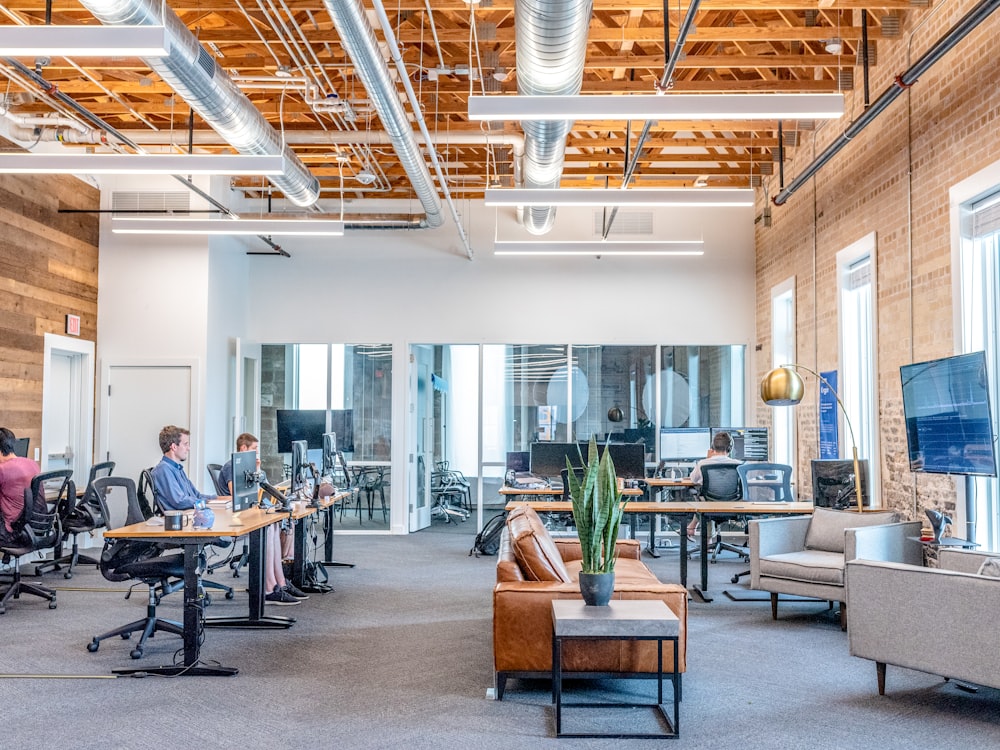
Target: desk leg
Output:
{"points": [[651, 545], [255, 617], [685, 520], [703, 590], [328, 542], [193, 604], [307, 582]]}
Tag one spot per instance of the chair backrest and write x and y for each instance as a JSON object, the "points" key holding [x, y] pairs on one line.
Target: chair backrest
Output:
{"points": [[146, 492], [104, 469], [51, 496], [763, 482], [119, 503], [720, 482], [214, 471]]}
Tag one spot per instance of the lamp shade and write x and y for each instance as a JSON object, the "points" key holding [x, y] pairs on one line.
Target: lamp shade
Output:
{"points": [[782, 387]]}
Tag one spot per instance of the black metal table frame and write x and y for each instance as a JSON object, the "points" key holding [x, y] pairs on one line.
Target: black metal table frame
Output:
{"points": [[557, 676]]}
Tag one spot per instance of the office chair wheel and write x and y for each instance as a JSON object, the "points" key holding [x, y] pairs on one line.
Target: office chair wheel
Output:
{"points": [[136, 653], [125, 636], [68, 574], [208, 600], [735, 579], [52, 605], [93, 645], [230, 594]]}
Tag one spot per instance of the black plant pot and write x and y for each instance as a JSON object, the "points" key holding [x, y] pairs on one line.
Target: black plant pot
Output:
{"points": [[597, 588]]}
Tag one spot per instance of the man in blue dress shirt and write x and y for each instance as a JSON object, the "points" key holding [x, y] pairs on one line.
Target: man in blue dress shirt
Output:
{"points": [[174, 489]]}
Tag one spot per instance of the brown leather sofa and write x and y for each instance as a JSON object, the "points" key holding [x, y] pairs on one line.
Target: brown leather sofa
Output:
{"points": [[533, 569]]}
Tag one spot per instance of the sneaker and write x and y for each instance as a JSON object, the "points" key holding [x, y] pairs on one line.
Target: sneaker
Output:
{"points": [[295, 592], [280, 597]]}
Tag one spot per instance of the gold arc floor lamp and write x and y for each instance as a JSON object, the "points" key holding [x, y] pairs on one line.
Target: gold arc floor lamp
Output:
{"points": [[782, 386]]}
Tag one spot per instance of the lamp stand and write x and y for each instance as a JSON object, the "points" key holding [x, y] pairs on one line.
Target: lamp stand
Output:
{"points": [[857, 479]]}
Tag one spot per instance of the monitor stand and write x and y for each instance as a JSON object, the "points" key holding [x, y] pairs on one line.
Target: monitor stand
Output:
{"points": [[235, 520]]}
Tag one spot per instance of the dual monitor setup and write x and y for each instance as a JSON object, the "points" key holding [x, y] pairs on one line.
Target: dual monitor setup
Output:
{"points": [[312, 436]]}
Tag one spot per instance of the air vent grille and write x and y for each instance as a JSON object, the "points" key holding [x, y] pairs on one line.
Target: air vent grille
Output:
{"points": [[152, 203], [627, 223]]}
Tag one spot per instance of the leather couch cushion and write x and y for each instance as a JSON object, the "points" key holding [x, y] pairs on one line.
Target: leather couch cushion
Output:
{"points": [[534, 549], [827, 527], [811, 566]]}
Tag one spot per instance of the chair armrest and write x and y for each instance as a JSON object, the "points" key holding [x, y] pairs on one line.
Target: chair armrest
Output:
{"points": [[775, 536], [888, 542], [963, 560]]}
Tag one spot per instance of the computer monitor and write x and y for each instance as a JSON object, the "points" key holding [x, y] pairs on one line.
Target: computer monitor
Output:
{"points": [[21, 447], [300, 424], [245, 477], [300, 465], [342, 423], [833, 483], [749, 443], [329, 452], [679, 444], [629, 458], [549, 459], [518, 461]]}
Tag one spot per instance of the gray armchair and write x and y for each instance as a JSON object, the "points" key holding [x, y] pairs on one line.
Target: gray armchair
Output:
{"points": [[806, 555], [932, 620]]}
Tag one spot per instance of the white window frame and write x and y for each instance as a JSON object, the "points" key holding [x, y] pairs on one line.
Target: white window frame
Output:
{"points": [[784, 436], [864, 413]]}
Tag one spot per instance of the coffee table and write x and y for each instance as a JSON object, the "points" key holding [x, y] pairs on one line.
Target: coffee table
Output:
{"points": [[625, 620]]}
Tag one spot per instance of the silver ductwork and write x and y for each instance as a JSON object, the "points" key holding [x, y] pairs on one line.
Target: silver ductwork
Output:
{"points": [[191, 71], [358, 40], [551, 43]]}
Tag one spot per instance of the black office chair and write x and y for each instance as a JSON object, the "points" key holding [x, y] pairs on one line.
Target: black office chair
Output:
{"points": [[215, 471], [130, 559], [77, 517], [37, 529], [764, 482], [721, 482]]}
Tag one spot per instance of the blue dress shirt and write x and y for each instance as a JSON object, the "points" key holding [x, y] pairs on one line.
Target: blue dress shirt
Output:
{"points": [[173, 488]]}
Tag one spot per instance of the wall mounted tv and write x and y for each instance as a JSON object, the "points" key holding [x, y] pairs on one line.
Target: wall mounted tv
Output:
{"points": [[946, 405], [300, 424]]}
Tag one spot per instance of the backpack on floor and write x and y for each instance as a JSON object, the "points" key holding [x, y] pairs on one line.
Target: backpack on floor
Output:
{"points": [[488, 540]]}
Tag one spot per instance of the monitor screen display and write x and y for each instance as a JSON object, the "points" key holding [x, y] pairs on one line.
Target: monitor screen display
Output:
{"points": [[629, 458], [244, 488], [21, 447], [518, 461], [684, 443], [749, 443], [342, 423], [946, 406], [833, 483], [329, 452], [300, 424], [549, 459], [300, 463]]}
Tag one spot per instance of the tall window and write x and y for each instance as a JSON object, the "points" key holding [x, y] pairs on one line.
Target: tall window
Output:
{"points": [[783, 352], [856, 266], [980, 283]]}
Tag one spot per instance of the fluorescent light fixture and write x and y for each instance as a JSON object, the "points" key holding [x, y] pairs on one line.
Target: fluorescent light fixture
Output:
{"points": [[566, 248], [301, 227], [83, 41], [716, 197], [658, 107], [183, 164]]}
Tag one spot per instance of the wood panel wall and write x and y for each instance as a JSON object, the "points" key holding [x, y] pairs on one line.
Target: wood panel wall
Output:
{"points": [[48, 269]]}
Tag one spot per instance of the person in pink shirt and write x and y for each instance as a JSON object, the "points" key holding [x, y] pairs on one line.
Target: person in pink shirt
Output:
{"points": [[16, 474]]}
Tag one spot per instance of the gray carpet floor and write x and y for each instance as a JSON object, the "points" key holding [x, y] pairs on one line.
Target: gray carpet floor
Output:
{"points": [[399, 656]]}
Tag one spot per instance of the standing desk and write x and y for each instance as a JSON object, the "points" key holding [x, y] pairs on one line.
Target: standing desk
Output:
{"points": [[192, 540], [685, 510], [300, 511]]}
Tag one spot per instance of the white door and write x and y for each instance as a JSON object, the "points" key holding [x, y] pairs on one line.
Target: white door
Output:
{"points": [[246, 390], [423, 436], [67, 406], [141, 400]]}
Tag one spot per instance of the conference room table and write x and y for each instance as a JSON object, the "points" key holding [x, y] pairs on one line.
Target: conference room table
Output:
{"points": [[250, 523], [685, 510]]}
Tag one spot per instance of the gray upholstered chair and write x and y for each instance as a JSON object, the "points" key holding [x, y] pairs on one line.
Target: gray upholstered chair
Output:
{"points": [[806, 555], [938, 618]]}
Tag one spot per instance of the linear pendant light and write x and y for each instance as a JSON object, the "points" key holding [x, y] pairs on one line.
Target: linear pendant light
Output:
{"points": [[658, 107], [715, 197], [83, 41], [182, 164], [301, 227], [565, 248]]}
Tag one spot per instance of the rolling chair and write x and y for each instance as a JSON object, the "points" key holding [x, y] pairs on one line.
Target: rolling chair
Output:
{"points": [[130, 559], [38, 529], [721, 482], [75, 518], [764, 482]]}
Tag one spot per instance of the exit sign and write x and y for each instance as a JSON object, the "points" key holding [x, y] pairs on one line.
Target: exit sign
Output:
{"points": [[73, 325]]}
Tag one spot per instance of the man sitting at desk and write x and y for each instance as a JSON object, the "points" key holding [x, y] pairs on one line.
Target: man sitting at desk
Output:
{"points": [[718, 453], [173, 488], [279, 590]]}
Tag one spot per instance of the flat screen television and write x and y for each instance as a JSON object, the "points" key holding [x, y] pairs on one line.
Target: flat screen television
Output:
{"points": [[749, 443], [946, 406], [549, 459], [342, 422], [244, 480], [629, 458], [300, 424], [684, 443], [833, 483]]}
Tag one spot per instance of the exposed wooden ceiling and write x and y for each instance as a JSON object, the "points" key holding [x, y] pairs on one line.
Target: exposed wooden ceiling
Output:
{"points": [[736, 46]]}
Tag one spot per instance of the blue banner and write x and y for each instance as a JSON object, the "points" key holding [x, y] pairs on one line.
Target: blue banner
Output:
{"points": [[829, 437]]}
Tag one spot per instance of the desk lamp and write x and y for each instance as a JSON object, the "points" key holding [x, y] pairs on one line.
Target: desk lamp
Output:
{"points": [[782, 386]]}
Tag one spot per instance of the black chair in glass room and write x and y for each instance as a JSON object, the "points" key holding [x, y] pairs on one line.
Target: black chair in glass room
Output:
{"points": [[134, 560], [37, 530], [721, 483]]}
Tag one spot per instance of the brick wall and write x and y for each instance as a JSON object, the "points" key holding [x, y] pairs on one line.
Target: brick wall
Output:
{"points": [[945, 127]]}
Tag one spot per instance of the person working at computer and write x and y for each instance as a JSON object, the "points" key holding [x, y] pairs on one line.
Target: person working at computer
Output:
{"points": [[279, 590], [718, 453], [173, 488], [16, 474]]}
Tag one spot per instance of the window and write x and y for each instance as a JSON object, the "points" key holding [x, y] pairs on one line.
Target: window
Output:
{"points": [[856, 275], [783, 353]]}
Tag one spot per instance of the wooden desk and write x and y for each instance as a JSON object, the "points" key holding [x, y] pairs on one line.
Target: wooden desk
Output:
{"points": [[702, 508], [508, 491], [192, 540]]}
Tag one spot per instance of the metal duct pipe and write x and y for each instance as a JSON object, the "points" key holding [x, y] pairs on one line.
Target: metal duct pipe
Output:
{"points": [[551, 42], [358, 39], [193, 74], [942, 46]]}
